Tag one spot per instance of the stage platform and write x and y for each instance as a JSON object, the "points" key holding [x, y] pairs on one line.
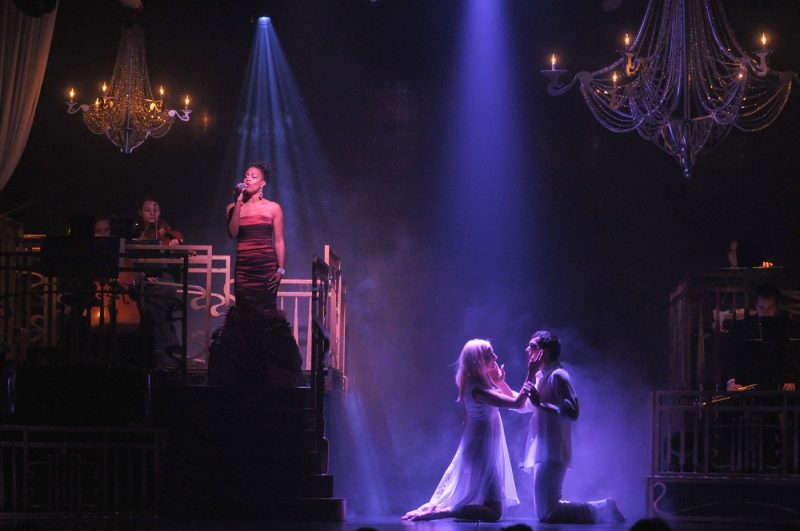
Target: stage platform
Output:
{"points": [[392, 523], [113, 442]]}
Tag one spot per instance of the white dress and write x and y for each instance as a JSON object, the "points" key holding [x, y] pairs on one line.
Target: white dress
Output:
{"points": [[481, 470]]}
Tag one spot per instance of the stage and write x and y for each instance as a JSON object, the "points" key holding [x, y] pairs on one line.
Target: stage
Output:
{"points": [[422, 190], [380, 524]]}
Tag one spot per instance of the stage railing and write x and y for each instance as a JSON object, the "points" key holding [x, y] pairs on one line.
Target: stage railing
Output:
{"points": [[743, 433], [336, 313], [32, 304], [295, 299], [70, 470], [205, 272]]}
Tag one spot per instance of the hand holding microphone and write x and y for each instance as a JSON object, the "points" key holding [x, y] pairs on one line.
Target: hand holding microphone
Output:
{"points": [[238, 189]]}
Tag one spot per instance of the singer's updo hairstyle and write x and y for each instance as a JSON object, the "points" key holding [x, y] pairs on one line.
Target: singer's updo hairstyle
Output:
{"points": [[264, 167]]}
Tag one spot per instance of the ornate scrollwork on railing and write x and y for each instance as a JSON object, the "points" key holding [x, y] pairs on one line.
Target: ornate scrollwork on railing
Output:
{"points": [[733, 433], [38, 308]]}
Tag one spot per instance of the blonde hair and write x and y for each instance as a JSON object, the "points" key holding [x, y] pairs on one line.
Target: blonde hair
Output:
{"points": [[471, 364]]}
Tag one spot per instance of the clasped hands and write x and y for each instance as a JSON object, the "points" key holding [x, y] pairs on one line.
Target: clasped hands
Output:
{"points": [[497, 374]]}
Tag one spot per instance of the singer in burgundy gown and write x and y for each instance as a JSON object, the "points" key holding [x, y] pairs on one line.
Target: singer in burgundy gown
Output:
{"points": [[255, 346], [256, 259]]}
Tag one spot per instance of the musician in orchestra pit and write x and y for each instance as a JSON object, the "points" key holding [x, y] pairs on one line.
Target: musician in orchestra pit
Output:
{"points": [[157, 294], [762, 353], [102, 227], [151, 226]]}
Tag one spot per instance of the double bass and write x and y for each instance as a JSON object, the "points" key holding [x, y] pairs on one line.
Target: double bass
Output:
{"points": [[114, 303]]}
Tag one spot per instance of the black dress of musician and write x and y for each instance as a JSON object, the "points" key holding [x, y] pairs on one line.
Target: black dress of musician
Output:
{"points": [[157, 294], [764, 353]]}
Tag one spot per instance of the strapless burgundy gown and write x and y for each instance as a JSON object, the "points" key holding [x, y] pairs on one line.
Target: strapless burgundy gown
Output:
{"points": [[255, 260]]}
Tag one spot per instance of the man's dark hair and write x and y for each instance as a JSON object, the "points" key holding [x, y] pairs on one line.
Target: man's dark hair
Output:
{"points": [[548, 341]]}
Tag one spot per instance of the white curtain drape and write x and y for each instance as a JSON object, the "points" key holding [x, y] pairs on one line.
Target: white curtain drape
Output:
{"points": [[24, 47]]}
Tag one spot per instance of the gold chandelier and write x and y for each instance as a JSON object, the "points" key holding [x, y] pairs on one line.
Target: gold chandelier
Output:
{"points": [[126, 112]]}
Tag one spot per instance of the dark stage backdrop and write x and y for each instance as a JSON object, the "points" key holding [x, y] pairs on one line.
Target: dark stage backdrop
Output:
{"points": [[603, 225]]}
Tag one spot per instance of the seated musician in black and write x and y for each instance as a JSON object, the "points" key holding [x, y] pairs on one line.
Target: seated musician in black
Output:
{"points": [[762, 352], [102, 226], [158, 296]]}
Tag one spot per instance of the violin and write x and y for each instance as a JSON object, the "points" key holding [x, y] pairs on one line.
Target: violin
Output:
{"points": [[165, 234]]}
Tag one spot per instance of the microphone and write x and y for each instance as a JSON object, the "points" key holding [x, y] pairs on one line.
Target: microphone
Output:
{"points": [[238, 189]]}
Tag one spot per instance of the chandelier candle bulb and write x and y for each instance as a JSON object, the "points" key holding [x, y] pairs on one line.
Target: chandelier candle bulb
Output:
{"points": [[127, 111], [687, 81], [72, 95], [186, 102], [762, 68], [553, 62]]}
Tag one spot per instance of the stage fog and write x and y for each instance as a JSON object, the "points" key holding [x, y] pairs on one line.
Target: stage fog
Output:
{"points": [[417, 139]]}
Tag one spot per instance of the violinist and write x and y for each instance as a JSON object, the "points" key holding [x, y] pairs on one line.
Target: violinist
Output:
{"points": [[151, 227], [102, 226], [158, 296]]}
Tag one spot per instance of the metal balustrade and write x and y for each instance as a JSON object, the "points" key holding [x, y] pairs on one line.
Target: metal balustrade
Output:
{"points": [[64, 470], [743, 433], [32, 305]]}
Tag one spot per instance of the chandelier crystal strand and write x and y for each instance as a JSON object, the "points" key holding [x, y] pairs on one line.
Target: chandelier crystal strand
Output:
{"points": [[128, 113], [686, 81]]}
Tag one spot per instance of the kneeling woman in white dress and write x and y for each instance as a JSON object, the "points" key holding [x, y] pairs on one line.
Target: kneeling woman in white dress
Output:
{"points": [[479, 482]]}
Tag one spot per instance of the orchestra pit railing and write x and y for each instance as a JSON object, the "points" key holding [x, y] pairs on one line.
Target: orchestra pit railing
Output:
{"points": [[60, 471], [725, 456], [732, 433]]}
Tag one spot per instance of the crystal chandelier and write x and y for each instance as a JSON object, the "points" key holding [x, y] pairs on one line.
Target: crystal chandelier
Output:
{"points": [[126, 112], [683, 81]]}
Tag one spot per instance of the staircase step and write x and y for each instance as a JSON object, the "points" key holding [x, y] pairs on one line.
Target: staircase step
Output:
{"points": [[272, 509], [75, 396], [261, 438], [297, 463], [308, 509], [213, 399], [233, 408], [215, 483], [244, 452]]}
